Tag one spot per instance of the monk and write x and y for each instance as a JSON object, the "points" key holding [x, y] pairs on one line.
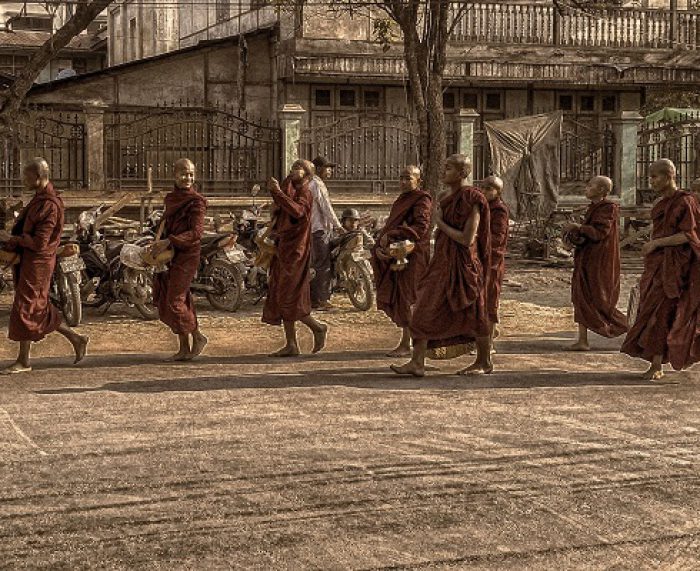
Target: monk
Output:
{"points": [[595, 285], [695, 189], [492, 187], [450, 308], [36, 236], [667, 328], [409, 219], [184, 225], [289, 295]]}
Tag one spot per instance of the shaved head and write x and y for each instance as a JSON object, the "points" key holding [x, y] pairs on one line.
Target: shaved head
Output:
{"points": [[39, 167], [494, 182], [462, 163], [604, 183], [664, 166], [695, 185], [183, 164]]}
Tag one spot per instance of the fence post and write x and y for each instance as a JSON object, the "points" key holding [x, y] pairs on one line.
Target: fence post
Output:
{"points": [[625, 173], [94, 144], [290, 116], [467, 122]]}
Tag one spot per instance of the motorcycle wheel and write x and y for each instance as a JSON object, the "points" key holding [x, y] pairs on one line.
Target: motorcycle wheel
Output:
{"points": [[147, 310], [359, 286], [229, 277], [71, 307]]}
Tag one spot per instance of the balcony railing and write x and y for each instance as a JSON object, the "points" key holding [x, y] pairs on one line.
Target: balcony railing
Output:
{"points": [[526, 23]]}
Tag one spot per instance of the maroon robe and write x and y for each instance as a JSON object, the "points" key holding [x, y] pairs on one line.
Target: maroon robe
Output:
{"points": [[36, 236], [499, 244], [289, 294], [451, 304], [595, 285], [184, 226], [668, 319], [409, 219]]}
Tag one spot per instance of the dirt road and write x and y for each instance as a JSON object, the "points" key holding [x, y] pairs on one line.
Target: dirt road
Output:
{"points": [[558, 460]]}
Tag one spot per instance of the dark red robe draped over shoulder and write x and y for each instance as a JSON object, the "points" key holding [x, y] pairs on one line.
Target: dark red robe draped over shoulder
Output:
{"points": [[451, 304], [499, 244], [289, 294], [36, 236], [184, 226], [668, 319], [409, 219], [595, 284]]}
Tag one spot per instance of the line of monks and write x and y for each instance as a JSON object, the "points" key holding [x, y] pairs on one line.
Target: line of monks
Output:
{"points": [[444, 304]]}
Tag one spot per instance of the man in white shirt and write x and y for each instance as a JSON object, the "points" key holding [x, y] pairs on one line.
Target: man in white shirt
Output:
{"points": [[323, 222]]}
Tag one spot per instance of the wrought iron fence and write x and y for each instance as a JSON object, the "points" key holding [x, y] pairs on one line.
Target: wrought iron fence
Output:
{"points": [[585, 152], [678, 140], [57, 136], [230, 152]]}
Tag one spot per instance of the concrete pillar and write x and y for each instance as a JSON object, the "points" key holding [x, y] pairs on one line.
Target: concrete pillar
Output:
{"points": [[625, 171], [94, 145], [290, 122], [467, 126]]}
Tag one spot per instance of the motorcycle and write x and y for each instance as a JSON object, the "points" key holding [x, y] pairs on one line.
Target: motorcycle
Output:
{"points": [[255, 277], [65, 283], [106, 278], [352, 272], [221, 271]]}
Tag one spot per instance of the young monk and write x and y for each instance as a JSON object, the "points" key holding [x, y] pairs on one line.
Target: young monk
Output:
{"points": [[409, 219], [492, 187], [451, 302], [36, 236], [595, 285], [289, 295], [667, 325], [184, 225]]}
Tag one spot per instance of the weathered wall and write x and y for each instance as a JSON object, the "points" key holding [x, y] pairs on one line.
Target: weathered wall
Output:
{"points": [[208, 75]]}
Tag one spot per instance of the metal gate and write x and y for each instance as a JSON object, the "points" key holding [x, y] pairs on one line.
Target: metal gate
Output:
{"points": [[368, 148], [57, 137], [230, 152], [585, 152]]}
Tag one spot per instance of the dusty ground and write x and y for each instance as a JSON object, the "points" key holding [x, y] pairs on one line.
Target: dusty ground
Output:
{"points": [[558, 460]]}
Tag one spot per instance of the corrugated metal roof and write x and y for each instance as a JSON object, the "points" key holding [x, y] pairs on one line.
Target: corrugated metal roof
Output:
{"points": [[30, 39]]}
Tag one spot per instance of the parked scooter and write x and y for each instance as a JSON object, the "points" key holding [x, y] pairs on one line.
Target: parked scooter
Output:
{"points": [[107, 279], [352, 272], [249, 227], [220, 276], [65, 283]]}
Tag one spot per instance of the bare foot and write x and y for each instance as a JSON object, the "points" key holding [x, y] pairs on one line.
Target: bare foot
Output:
{"points": [[320, 338], [578, 346], [179, 356], [286, 351], [199, 342], [477, 369], [409, 368], [16, 367], [80, 348], [400, 351], [653, 374]]}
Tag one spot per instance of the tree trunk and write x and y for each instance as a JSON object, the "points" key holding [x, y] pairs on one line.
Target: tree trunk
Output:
{"points": [[12, 98]]}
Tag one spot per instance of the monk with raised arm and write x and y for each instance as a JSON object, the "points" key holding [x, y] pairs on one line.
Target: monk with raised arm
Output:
{"points": [[492, 187], [36, 237], [184, 214], [409, 219], [667, 327], [595, 285], [289, 295], [450, 308]]}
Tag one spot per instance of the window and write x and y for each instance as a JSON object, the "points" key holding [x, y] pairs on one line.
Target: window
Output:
{"points": [[7, 64], [448, 100], [566, 102], [373, 99], [322, 98], [79, 65], [493, 101], [609, 104], [223, 10], [132, 38], [37, 24], [347, 98], [470, 101], [587, 103]]}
